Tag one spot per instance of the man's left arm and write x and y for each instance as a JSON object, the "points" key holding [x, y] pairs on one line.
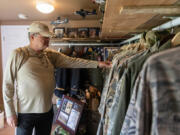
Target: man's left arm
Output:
{"points": [[64, 61]]}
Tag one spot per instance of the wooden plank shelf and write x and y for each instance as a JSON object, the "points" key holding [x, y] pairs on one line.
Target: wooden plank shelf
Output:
{"points": [[75, 40]]}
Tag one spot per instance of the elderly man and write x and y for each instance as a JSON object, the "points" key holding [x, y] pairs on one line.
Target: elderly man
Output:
{"points": [[32, 68]]}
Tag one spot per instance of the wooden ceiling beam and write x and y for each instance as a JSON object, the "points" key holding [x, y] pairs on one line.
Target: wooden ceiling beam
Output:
{"points": [[110, 30], [168, 10]]}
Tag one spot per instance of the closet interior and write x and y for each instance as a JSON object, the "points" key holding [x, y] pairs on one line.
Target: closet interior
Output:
{"points": [[138, 95]]}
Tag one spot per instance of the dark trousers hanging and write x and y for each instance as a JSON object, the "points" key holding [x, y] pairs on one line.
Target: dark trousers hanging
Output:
{"points": [[75, 81], [67, 80]]}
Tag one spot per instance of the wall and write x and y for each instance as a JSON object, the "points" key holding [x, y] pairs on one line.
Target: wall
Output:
{"points": [[13, 36], [1, 76]]}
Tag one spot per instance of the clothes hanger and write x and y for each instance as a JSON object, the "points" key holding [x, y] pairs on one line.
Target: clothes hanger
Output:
{"points": [[176, 39]]}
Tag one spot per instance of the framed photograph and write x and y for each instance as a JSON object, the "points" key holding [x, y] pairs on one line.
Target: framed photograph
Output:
{"points": [[69, 114], [94, 32], [59, 32], [72, 32], [83, 32]]}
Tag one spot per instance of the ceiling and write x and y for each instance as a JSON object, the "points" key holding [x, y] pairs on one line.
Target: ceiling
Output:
{"points": [[9, 10], [120, 20]]}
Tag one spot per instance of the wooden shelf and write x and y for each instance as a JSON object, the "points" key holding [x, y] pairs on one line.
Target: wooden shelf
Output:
{"points": [[75, 40], [125, 17]]}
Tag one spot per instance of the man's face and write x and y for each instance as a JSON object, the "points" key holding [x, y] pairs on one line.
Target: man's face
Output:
{"points": [[40, 42]]}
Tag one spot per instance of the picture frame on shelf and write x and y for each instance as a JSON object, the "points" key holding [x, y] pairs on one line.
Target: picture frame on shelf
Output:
{"points": [[83, 32], [69, 114], [72, 32], [94, 32], [59, 32]]}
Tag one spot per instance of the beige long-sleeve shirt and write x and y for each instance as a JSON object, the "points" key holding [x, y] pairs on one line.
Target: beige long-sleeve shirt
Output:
{"points": [[34, 78]]}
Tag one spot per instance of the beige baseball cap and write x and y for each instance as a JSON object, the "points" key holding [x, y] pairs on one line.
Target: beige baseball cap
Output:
{"points": [[42, 29]]}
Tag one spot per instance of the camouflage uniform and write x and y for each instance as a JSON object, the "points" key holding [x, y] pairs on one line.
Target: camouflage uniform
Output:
{"points": [[108, 91], [121, 82], [154, 107], [122, 98]]}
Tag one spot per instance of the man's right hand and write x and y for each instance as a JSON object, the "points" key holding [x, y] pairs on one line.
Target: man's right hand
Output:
{"points": [[12, 121]]}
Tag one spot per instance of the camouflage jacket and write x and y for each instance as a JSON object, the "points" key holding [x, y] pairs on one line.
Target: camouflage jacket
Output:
{"points": [[155, 108]]}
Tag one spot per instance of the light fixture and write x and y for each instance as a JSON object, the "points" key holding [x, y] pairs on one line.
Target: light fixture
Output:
{"points": [[22, 16], [45, 6]]}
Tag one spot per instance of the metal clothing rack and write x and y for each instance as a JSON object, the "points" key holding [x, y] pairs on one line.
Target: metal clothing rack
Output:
{"points": [[80, 42], [83, 44], [173, 23]]}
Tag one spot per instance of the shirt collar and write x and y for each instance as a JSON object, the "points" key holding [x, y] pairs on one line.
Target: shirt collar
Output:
{"points": [[34, 53]]}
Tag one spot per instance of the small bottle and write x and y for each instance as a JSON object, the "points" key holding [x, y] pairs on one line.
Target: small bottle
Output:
{"points": [[58, 102]]}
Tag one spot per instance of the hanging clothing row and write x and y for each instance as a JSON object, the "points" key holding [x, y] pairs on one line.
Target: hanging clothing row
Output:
{"points": [[126, 106]]}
